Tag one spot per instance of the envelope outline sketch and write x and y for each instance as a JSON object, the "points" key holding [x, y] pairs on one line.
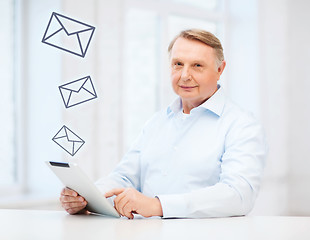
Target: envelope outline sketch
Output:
{"points": [[77, 91], [80, 33], [68, 140]]}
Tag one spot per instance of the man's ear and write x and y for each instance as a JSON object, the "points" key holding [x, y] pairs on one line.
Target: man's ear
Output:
{"points": [[221, 68]]}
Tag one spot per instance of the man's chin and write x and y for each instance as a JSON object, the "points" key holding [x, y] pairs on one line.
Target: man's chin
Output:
{"points": [[188, 98]]}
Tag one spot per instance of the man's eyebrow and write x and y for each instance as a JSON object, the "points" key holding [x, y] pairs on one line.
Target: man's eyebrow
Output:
{"points": [[193, 61], [200, 61]]}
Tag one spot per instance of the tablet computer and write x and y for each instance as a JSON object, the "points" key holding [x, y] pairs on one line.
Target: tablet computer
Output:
{"points": [[74, 178]]}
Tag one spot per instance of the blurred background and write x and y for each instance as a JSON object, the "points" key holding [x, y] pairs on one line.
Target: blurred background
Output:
{"points": [[266, 49]]}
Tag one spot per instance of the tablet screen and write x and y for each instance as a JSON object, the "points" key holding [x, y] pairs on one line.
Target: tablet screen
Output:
{"points": [[74, 178]]}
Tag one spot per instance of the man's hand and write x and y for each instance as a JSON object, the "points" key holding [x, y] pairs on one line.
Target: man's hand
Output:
{"points": [[72, 202], [129, 201]]}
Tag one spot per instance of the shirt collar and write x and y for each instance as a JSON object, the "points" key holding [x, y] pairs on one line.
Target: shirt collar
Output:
{"points": [[214, 104]]}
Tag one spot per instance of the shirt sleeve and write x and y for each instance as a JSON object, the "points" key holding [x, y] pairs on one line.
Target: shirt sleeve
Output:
{"points": [[242, 166]]}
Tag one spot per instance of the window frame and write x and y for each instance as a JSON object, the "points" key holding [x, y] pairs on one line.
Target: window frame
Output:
{"points": [[19, 183]]}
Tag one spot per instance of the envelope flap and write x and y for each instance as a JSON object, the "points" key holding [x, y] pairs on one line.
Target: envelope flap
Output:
{"points": [[75, 86], [72, 26], [88, 85], [61, 133], [53, 27], [72, 137], [85, 38]]}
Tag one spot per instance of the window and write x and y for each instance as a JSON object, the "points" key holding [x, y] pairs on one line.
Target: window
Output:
{"points": [[140, 79], [8, 170], [23, 104], [208, 5], [135, 58]]}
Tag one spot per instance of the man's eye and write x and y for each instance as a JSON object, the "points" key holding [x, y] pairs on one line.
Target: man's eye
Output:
{"points": [[177, 65], [198, 65]]}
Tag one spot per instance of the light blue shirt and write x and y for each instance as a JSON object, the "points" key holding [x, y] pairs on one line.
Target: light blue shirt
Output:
{"points": [[208, 163]]}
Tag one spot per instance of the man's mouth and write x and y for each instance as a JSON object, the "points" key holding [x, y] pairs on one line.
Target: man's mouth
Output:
{"points": [[187, 87]]}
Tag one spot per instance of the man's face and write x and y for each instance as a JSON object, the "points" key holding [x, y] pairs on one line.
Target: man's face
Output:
{"points": [[194, 73]]}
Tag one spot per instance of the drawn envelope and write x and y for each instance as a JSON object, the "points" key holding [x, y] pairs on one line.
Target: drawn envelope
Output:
{"points": [[68, 34], [68, 140], [77, 92]]}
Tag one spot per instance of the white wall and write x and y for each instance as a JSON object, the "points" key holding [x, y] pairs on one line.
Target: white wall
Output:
{"points": [[272, 18], [284, 53], [298, 95]]}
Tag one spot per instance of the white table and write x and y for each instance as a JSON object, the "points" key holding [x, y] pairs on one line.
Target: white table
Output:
{"points": [[45, 225]]}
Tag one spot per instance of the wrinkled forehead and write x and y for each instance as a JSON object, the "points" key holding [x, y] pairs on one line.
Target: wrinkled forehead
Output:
{"points": [[187, 49]]}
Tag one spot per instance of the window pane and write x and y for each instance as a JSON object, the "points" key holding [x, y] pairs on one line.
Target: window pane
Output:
{"points": [[140, 71], [178, 23], [7, 169], [206, 4]]}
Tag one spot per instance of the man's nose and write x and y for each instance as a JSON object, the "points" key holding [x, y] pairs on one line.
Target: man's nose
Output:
{"points": [[185, 76]]}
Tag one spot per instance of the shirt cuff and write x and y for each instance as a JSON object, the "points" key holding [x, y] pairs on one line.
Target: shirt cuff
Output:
{"points": [[174, 205]]}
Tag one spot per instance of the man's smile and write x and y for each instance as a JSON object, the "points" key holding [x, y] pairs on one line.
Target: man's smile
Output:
{"points": [[187, 87]]}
